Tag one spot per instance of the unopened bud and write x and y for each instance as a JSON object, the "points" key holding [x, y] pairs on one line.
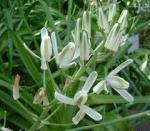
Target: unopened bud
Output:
{"points": [[16, 87], [86, 23], [45, 48], [112, 12], [102, 21], [85, 47]]}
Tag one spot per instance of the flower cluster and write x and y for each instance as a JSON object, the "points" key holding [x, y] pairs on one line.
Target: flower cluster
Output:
{"points": [[80, 98], [81, 47]]}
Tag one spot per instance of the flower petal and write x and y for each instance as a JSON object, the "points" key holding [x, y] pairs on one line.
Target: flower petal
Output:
{"points": [[117, 82], [5, 129], [78, 117], [46, 49], [120, 67], [102, 21], [67, 65], [99, 87], [112, 11], [90, 81], [67, 54], [125, 94], [91, 113], [78, 29], [64, 99], [55, 48], [123, 19], [109, 44], [86, 23], [44, 32]]}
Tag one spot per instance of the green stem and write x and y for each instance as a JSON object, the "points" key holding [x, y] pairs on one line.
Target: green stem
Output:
{"points": [[46, 119], [30, 115], [58, 124], [54, 85], [79, 73], [43, 114], [44, 79]]}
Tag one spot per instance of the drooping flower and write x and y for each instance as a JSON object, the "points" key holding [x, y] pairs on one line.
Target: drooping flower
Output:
{"points": [[16, 87], [40, 97], [65, 57], [45, 49], [80, 98], [116, 82]]}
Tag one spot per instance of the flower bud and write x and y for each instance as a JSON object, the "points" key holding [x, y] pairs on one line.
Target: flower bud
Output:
{"points": [[45, 48], [111, 39], [102, 22], [112, 12], [123, 19], [86, 23], [84, 47], [16, 87], [78, 29]]}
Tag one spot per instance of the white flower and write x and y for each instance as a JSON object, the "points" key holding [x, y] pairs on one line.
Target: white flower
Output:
{"points": [[16, 87], [84, 46], [112, 12], [5, 129], [65, 57], [102, 21], [45, 49], [123, 19], [76, 37], [115, 35], [86, 23], [113, 39], [116, 82], [80, 99]]}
